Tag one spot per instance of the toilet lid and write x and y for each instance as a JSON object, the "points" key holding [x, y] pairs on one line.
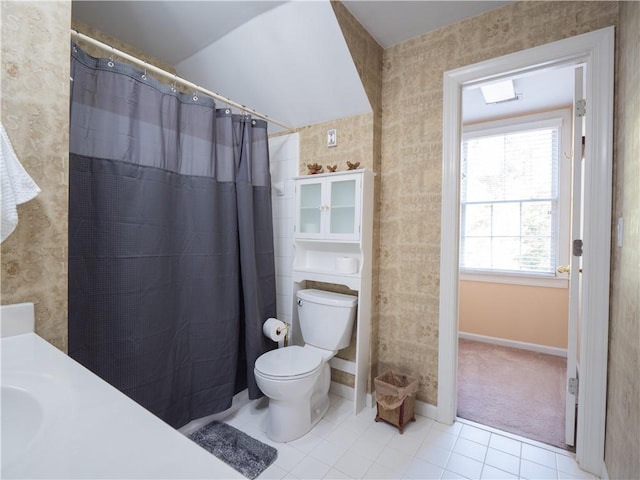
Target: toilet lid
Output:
{"points": [[288, 362]]}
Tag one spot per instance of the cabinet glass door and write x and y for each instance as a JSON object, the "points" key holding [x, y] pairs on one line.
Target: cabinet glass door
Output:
{"points": [[343, 207], [309, 220]]}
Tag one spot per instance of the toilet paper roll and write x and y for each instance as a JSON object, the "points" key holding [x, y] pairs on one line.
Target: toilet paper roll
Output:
{"points": [[274, 329], [346, 265]]}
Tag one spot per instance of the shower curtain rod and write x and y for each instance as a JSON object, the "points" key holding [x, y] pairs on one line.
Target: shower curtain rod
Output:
{"points": [[176, 78]]}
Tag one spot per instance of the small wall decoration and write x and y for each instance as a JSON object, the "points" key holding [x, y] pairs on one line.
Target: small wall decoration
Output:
{"points": [[332, 137], [332, 168], [314, 168], [352, 166]]}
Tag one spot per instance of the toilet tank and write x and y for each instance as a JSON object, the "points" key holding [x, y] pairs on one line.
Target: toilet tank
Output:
{"points": [[326, 318]]}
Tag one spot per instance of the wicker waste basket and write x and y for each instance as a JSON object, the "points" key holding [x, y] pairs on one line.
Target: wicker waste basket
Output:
{"points": [[396, 397]]}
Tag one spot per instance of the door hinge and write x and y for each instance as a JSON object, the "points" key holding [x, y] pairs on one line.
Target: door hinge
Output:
{"points": [[581, 107], [573, 386], [577, 247]]}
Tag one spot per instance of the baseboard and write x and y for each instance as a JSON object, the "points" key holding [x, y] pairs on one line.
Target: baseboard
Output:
{"points": [[348, 392], [426, 410], [503, 342]]}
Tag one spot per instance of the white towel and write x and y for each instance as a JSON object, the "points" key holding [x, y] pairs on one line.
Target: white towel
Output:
{"points": [[17, 186]]}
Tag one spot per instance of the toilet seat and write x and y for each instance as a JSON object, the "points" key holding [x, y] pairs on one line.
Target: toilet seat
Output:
{"points": [[289, 363]]}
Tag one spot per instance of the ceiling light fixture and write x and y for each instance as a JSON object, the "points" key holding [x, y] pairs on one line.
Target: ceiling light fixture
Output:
{"points": [[499, 92]]}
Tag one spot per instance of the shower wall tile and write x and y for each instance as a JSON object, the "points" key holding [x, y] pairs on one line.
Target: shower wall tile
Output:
{"points": [[284, 158], [35, 113], [623, 395], [411, 171]]}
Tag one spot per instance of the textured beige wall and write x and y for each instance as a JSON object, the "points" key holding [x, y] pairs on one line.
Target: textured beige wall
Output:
{"points": [[355, 140], [359, 140], [411, 163], [622, 441], [538, 315], [35, 113]]}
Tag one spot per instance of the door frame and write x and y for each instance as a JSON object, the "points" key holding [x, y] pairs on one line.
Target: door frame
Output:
{"points": [[596, 51]]}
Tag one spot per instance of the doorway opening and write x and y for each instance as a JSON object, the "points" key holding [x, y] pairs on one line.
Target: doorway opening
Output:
{"points": [[596, 51], [515, 210]]}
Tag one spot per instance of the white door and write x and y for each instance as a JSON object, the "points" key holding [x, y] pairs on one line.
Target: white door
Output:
{"points": [[575, 267]]}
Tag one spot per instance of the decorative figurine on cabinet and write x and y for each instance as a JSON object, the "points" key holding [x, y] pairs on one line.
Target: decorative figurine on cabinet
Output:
{"points": [[332, 168], [314, 168], [352, 166]]}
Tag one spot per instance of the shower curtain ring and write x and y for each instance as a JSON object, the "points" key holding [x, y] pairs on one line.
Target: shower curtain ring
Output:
{"points": [[76, 35], [174, 89], [110, 62], [144, 75]]}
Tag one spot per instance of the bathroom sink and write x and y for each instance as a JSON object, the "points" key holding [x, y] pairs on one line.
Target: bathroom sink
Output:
{"points": [[22, 420]]}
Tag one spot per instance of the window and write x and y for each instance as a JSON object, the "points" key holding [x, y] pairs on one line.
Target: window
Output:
{"points": [[515, 197]]}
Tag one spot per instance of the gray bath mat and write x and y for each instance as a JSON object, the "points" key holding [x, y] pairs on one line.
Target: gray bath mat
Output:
{"points": [[237, 449]]}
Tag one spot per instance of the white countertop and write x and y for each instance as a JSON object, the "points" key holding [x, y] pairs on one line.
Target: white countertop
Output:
{"points": [[75, 425]]}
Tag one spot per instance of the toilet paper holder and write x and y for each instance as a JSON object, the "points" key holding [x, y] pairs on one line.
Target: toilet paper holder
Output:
{"points": [[284, 330]]}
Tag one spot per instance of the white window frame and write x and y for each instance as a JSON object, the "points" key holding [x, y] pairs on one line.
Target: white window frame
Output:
{"points": [[556, 118]]}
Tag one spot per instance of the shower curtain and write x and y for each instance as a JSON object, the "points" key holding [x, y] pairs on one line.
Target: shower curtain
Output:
{"points": [[171, 269]]}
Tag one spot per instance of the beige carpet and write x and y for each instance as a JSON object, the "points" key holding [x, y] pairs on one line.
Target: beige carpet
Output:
{"points": [[517, 391]]}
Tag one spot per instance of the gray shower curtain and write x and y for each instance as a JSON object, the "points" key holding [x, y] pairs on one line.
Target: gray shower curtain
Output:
{"points": [[171, 270]]}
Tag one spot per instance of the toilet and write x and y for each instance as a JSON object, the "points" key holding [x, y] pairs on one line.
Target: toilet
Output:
{"points": [[297, 379]]}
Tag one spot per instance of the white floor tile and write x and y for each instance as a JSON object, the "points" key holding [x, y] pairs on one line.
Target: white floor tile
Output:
{"points": [[381, 472], [288, 457], [504, 444], [453, 429], [534, 471], [334, 474], [465, 466], [406, 442], [568, 465], [310, 468], [434, 454], [344, 435], [447, 475], [503, 461], [368, 447], [344, 445], [307, 442], [492, 473], [419, 469], [394, 459], [440, 439], [475, 434], [323, 428], [470, 449], [359, 423], [381, 431], [274, 472], [328, 452], [420, 427], [539, 455], [353, 464]]}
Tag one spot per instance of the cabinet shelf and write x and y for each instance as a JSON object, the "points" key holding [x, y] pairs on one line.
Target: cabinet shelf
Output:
{"points": [[334, 219]]}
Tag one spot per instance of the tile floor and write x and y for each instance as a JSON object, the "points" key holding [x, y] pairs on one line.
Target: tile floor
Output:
{"points": [[346, 446]]}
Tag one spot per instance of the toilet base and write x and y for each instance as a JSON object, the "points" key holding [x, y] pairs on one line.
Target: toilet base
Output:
{"points": [[290, 420]]}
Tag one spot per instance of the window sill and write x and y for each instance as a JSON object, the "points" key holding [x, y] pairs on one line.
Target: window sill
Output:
{"points": [[514, 279]]}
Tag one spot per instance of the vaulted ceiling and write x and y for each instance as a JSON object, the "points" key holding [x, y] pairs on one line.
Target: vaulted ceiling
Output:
{"points": [[287, 59]]}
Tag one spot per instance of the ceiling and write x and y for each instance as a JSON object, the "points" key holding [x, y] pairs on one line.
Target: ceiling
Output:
{"points": [[287, 59]]}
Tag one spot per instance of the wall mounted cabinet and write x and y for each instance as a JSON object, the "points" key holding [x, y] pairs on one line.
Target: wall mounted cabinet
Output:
{"points": [[328, 207], [333, 240]]}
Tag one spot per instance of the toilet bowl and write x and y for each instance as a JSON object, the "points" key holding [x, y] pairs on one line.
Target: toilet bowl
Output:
{"points": [[297, 379]]}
